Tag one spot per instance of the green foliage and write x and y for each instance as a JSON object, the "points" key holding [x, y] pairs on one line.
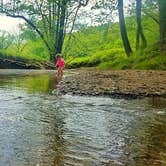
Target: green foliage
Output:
{"points": [[37, 50], [96, 58], [150, 58], [6, 39], [102, 47], [32, 50], [99, 46]]}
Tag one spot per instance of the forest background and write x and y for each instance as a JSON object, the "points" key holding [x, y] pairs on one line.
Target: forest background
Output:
{"points": [[109, 34]]}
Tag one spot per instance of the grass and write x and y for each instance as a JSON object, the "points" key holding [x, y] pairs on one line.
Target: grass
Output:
{"points": [[150, 58]]}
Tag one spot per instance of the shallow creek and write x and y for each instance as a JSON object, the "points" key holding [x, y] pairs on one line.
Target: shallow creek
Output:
{"points": [[41, 127]]}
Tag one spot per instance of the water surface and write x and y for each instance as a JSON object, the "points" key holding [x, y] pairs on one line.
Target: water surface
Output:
{"points": [[41, 127]]}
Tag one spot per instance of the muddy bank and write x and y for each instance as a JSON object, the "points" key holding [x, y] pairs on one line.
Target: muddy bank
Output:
{"points": [[119, 84], [11, 62]]}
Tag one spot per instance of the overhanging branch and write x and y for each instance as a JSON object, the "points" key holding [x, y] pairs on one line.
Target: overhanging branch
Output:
{"points": [[33, 26]]}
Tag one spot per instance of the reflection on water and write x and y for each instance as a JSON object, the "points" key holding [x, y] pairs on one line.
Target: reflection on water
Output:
{"points": [[38, 128], [32, 81]]}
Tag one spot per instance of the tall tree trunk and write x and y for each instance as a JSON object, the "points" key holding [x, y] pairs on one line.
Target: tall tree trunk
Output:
{"points": [[162, 20], [53, 55], [1, 8], [139, 26], [60, 25], [144, 41], [61, 28], [125, 39]]}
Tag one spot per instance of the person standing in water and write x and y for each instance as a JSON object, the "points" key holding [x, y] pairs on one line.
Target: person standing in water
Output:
{"points": [[60, 63]]}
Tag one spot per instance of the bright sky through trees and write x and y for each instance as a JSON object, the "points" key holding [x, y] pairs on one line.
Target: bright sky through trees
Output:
{"points": [[11, 24]]}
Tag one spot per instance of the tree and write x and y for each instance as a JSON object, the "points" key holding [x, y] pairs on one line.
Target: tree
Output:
{"points": [[106, 11], [125, 39], [111, 6], [50, 18], [162, 20], [1, 5], [6, 40], [150, 9], [28, 33], [139, 26], [19, 41]]}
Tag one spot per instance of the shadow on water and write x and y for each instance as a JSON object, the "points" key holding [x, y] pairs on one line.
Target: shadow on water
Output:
{"points": [[52, 129], [38, 128], [147, 143], [157, 102]]}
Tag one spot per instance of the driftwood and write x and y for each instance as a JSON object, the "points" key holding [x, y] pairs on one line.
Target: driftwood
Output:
{"points": [[10, 62]]}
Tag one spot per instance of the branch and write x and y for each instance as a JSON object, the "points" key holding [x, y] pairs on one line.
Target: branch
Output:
{"points": [[43, 16], [150, 15], [68, 42], [33, 26]]}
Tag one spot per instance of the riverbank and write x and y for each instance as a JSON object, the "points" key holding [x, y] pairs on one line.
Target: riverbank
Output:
{"points": [[117, 84], [11, 62]]}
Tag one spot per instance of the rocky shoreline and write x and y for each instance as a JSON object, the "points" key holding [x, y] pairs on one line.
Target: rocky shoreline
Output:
{"points": [[116, 84]]}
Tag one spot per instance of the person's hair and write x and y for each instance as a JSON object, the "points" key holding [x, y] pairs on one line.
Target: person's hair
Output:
{"points": [[58, 55]]}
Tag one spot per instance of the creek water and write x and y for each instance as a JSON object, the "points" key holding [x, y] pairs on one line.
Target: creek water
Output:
{"points": [[41, 127]]}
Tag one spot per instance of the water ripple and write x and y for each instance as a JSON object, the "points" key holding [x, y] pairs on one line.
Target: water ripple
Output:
{"points": [[42, 129]]}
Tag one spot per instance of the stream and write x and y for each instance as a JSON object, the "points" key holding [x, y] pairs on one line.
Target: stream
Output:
{"points": [[41, 127]]}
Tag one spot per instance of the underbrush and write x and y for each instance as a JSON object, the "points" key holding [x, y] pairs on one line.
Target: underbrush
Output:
{"points": [[95, 59], [150, 58], [32, 51]]}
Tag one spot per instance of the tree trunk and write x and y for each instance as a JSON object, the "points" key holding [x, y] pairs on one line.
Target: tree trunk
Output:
{"points": [[60, 26], [139, 26], [162, 20], [1, 8], [125, 40], [61, 29]]}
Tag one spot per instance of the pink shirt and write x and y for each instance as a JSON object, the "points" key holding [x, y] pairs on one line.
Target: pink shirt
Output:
{"points": [[60, 62]]}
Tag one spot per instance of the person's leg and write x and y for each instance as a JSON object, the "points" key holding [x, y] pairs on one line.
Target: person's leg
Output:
{"points": [[60, 71], [59, 74]]}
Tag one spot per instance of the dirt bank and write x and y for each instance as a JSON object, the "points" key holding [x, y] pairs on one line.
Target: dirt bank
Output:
{"points": [[11, 62], [122, 83]]}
